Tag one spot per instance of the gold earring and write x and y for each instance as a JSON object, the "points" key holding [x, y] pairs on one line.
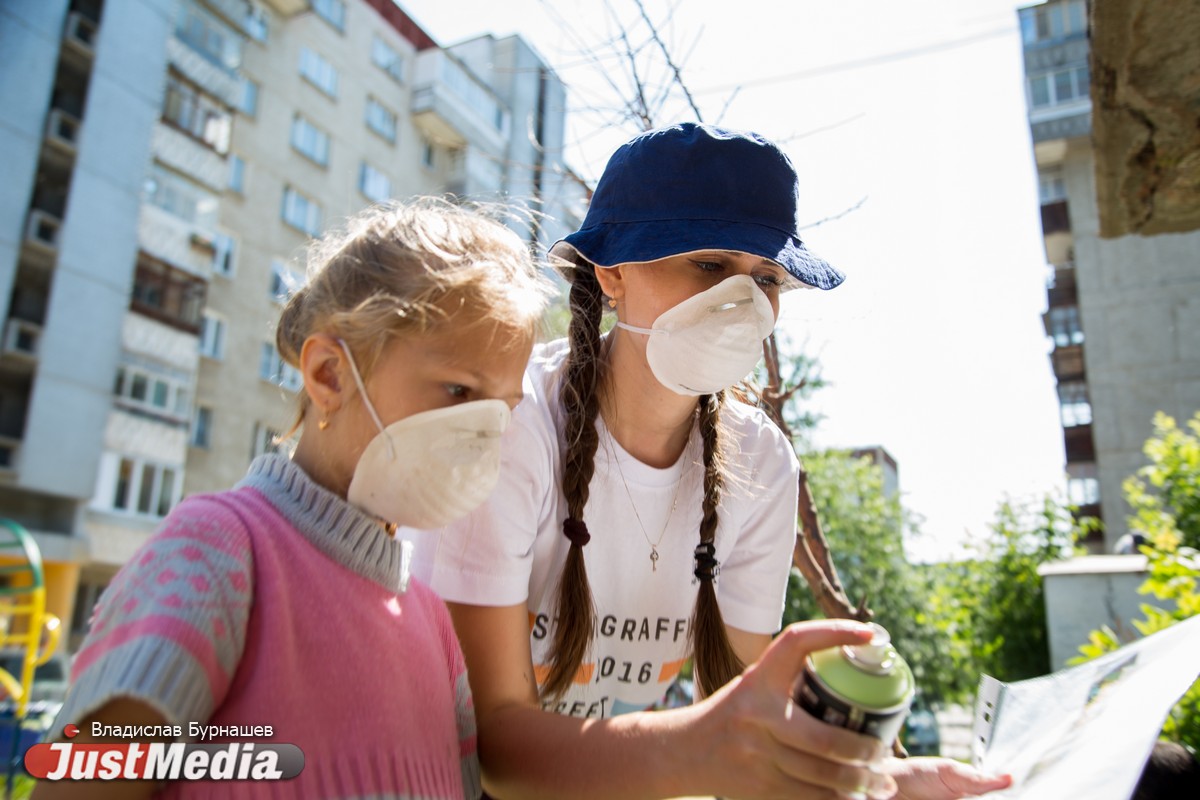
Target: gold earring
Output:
{"points": [[612, 302], [323, 424]]}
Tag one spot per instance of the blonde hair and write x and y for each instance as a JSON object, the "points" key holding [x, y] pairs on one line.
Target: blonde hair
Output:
{"points": [[399, 268]]}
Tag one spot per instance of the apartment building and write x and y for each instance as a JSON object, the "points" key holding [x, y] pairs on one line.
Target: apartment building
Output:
{"points": [[1122, 310], [167, 163]]}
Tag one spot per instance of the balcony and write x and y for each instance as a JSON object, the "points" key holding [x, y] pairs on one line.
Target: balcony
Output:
{"points": [[62, 130], [21, 338], [79, 38], [454, 109], [472, 174], [212, 78], [1077, 123], [183, 153], [1078, 443], [1068, 363], [175, 241], [1055, 218], [10, 454], [287, 8], [1061, 289], [41, 231]]}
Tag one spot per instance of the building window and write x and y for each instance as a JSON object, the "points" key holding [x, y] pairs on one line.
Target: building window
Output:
{"points": [[332, 11], [255, 23], [167, 294], [189, 109], [1064, 326], [266, 440], [374, 184], [237, 175], [319, 72], [209, 36], [1074, 405], [141, 389], [1053, 21], [248, 99], [224, 250], [387, 59], [284, 281], [272, 367], [144, 488], [1051, 186], [1083, 487], [301, 212], [310, 140], [180, 197], [202, 427], [212, 336], [1059, 87], [427, 154], [381, 120]]}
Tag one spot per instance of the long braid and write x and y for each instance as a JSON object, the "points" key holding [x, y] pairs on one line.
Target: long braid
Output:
{"points": [[581, 403], [716, 661]]}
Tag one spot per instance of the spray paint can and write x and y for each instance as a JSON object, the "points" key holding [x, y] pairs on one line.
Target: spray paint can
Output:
{"points": [[865, 688]]}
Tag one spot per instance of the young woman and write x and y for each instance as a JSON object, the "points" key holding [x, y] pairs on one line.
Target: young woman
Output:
{"points": [[286, 601], [644, 515]]}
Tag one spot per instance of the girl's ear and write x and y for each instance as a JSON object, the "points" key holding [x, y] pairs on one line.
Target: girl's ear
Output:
{"points": [[323, 365], [611, 280]]}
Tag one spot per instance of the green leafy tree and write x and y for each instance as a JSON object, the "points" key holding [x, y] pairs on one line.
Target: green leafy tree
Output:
{"points": [[1165, 500], [994, 605]]}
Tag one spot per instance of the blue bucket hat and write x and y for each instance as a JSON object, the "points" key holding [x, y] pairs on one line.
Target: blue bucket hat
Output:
{"points": [[696, 187]]}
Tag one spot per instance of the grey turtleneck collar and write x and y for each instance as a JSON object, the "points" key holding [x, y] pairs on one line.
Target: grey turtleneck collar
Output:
{"points": [[347, 535]]}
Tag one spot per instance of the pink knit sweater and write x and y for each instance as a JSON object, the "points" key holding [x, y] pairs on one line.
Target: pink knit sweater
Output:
{"points": [[279, 604]]}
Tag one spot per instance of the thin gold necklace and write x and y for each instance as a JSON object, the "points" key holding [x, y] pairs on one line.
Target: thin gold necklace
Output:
{"points": [[674, 498]]}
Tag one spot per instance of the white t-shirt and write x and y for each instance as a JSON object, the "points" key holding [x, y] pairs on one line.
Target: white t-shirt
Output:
{"points": [[512, 549]]}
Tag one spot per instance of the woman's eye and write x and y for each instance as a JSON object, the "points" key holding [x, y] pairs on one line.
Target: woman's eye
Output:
{"points": [[767, 280], [456, 390], [709, 266]]}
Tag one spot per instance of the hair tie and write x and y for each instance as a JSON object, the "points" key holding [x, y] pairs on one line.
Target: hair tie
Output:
{"points": [[576, 531], [707, 568]]}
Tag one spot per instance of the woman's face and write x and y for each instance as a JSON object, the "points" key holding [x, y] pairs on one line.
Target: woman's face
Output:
{"points": [[645, 290]]}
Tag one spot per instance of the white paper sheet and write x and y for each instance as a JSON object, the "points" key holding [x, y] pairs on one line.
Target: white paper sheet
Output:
{"points": [[1088, 730]]}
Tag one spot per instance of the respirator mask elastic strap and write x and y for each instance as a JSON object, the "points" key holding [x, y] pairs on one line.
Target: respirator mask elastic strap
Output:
{"points": [[362, 389]]}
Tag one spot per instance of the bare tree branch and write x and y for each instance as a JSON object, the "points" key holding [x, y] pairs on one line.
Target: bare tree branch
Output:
{"points": [[670, 63]]}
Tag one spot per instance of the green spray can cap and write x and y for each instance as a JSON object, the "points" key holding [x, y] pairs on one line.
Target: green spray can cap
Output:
{"points": [[871, 675]]}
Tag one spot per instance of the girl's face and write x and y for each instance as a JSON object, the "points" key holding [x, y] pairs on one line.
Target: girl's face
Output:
{"points": [[646, 290], [423, 372]]}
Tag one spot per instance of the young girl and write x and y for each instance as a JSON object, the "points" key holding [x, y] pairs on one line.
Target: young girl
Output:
{"points": [[644, 515], [286, 601]]}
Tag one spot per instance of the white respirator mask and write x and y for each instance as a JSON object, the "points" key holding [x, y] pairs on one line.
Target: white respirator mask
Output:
{"points": [[710, 341], [431, 468]]}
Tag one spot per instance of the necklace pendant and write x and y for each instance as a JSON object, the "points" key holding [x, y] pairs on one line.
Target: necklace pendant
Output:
{"points": [[653, 559]]}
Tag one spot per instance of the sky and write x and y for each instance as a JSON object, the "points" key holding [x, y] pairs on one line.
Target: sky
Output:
{"points": [[907, 125]]}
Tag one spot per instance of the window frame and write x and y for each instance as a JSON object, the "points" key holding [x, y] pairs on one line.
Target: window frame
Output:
{"points": [[319, 71], [310, 140], [369, 175], [295, 200], [214, 331]]}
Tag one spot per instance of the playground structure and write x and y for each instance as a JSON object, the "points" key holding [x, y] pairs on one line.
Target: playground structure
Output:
{"points": [[27, 632]]}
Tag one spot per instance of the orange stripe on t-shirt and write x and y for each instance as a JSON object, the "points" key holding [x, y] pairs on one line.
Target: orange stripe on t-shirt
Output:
{"points": [[583, 675], [670, 669]]}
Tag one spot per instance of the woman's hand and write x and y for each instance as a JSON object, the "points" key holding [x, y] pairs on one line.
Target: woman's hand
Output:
{"points": [[940, 779], [753, 741]]}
